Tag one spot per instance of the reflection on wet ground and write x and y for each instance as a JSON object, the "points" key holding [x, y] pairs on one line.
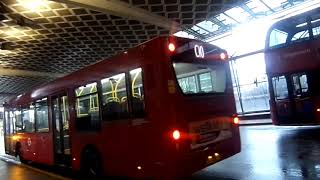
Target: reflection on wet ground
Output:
{"points": [[10, 171], [271, 152]]}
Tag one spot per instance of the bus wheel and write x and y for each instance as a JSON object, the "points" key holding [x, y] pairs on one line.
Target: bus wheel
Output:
{"points": [[19, 154], [91, 165]]}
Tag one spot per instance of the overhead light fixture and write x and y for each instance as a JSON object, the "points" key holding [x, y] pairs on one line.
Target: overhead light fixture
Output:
{"points": [[10, 32], [32, 5]]}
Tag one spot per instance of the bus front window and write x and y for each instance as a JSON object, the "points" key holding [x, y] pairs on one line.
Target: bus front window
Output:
{"points": [[200, 78]]}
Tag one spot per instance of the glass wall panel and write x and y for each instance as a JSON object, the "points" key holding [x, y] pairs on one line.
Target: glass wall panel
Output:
{"points": [[250, 84]]}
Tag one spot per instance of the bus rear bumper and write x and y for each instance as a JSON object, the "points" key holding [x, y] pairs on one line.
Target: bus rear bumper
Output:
{"points": [[184, 165]]}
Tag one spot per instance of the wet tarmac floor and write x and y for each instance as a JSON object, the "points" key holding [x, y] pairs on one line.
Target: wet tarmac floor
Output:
{"points": [[271, 152], [268, 152]]}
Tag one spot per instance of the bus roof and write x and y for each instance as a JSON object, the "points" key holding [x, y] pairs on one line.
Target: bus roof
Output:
{"points": [[293, 21]]}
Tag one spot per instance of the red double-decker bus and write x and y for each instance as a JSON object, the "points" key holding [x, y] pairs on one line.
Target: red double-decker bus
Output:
{"points": [[162, 109], [292, 57]]}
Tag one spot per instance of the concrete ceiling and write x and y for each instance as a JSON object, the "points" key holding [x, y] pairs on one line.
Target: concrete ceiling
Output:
{"points": [[63, 36]]}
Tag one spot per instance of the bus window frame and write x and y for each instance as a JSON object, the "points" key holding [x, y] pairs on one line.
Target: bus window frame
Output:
{"points": [[35, 114], [278, 45], [10, 123], [90, 129], [175, 78], [28, 107], [292, 32], [16, 120], [131, 94], [127, 85], [301, 93], [275, 90]]}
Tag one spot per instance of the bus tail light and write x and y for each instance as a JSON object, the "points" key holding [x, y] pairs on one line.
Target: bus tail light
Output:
{"points": [[176, 134], [171, 47], [235, 120], [318, 109]]}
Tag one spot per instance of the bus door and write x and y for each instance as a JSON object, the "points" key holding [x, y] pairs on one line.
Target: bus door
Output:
{"points": [[61, 135], [283, 104], [304, 109], [8, 132]]}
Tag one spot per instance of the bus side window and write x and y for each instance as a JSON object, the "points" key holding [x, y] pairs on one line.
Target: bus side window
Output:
{"points": [[28, 119], [280, 87], [136, 85], [114, 98], [300, 84], [42, 115], [17, 119], [277, 38], [87, 107], [300, 36], [315, 24], [12, 122]]}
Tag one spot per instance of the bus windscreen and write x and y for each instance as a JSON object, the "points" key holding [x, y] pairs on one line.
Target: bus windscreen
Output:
{"points": [[195, 78]]}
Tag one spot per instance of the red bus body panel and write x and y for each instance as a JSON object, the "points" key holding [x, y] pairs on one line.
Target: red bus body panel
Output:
{"points": [[295, 58]]}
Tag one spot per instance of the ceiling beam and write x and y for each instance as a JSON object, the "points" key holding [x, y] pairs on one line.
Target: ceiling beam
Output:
{"points": [[216, 21], [266, 5], [122, 9], [23, 73], [248, 10]]}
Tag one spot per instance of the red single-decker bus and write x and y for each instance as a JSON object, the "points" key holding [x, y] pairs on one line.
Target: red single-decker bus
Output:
{"points": [[163, 109]]}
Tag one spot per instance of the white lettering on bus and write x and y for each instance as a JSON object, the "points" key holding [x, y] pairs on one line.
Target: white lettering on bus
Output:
{"points": [[198, 51]]}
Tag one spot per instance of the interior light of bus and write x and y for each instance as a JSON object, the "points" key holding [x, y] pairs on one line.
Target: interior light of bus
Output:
{"points": [[223, 56], [209, 157], [216, 154], [15, 137], [171, 47], [236, 120], [318, 109], [74, 159], [176, 134], [139, 167]]}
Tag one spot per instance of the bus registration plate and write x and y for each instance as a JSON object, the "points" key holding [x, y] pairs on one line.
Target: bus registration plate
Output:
{"points": [[209, 131]]}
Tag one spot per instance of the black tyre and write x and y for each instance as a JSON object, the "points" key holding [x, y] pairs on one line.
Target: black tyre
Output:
{"points": [[91, 165], [19, 154]]}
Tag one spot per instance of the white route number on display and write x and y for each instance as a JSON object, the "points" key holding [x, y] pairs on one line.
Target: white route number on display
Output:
{"points": [[198, 51]]}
